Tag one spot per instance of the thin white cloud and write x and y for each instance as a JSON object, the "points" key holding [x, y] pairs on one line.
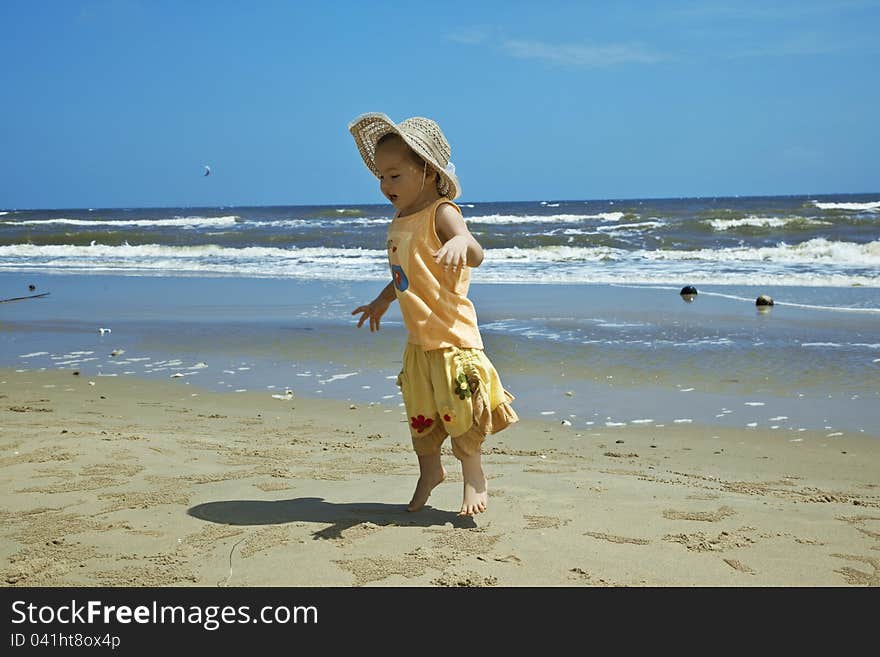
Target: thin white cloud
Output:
{"points": [[582, 55], [718, 29]]}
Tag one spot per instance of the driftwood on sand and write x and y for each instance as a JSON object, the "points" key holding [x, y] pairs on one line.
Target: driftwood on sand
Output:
{"points": [[32, 296]]}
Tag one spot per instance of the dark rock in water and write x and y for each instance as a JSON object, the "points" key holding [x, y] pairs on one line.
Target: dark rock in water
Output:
{"points": [[688, 293], [764, 300]]}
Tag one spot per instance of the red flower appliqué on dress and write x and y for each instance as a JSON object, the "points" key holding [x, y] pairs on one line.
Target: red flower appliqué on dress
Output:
{"points": [[421, 423]]}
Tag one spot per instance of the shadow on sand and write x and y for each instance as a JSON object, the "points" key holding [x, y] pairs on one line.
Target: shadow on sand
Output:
{"points": [[315, 509]]}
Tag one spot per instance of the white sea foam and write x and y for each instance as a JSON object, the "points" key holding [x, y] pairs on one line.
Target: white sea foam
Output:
{"points": [[868, 345], [338, 264], [735, 265], [812, 251], [337, 377], [34, 354], [696, 342], [543, 219], [817, 262], [872, 206], [764, 222], [640, 225], [179, 222], [602, 324], [321, 221]]}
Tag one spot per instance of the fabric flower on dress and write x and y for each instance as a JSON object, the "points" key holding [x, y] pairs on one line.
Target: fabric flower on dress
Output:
{"points": [[447, 415], [421, 423], [461, 386]]}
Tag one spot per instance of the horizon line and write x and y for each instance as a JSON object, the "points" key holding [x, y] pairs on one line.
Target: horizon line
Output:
{"points": [[457, 202]]}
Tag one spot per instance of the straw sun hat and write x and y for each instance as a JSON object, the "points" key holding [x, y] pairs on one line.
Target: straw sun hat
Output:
{"points": [[420, 134]]}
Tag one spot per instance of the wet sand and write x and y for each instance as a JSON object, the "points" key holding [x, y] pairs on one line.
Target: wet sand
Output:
{"points": [[124, 481], [637, 353]]}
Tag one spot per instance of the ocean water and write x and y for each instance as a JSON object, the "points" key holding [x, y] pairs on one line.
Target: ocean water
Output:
{"points": [[799, 241], [578, 302]]}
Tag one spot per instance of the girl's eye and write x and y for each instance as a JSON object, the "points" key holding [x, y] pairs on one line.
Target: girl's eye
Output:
{"points": [[395, 176]]}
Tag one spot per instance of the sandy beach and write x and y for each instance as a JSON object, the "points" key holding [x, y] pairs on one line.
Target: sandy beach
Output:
{"points": [[677, 212], [111, 481]]}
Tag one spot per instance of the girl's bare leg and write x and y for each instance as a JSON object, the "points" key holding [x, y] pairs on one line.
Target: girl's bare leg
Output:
{"points": [[431, 473], [476, 493]]}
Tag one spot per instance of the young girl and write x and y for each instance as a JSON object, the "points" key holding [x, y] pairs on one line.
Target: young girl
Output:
{"points": [[449, 386]]}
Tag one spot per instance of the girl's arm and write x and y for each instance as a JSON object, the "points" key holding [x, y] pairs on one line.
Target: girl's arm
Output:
{"points": [[459, 246], [376, 308]]}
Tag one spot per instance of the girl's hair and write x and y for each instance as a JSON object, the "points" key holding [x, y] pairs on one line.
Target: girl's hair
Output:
{"points": [[391, 137]]}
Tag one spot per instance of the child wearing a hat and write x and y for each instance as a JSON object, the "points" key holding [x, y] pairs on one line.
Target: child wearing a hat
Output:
{"points": [[449, 386]]}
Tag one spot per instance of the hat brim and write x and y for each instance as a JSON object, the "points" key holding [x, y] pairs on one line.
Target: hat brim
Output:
{"points": [[368, 129]]}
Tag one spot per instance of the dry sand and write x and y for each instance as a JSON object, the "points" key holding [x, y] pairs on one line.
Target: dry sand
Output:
{"points": [[130, 482]]}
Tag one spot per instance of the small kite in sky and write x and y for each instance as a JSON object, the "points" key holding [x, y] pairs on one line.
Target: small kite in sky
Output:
{"points": [[207, 170]]}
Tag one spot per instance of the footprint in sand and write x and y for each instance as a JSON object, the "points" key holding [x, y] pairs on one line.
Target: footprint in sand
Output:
{"points": [[544, 522], [617, 539], [859, 577], [740, 566], [705, 516]]}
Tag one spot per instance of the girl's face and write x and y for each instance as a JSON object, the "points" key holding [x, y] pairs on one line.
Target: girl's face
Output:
{"points": [[404, 180]]}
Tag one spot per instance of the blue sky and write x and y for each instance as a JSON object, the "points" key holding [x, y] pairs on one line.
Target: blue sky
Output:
{"points": [[121, 103]]}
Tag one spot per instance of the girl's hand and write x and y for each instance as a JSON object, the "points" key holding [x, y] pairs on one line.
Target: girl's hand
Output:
{"points": [[374, 310], [453, 253]]}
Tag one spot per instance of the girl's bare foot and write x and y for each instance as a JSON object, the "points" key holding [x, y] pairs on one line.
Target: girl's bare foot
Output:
{"points": [[431, 473], [476, 492]]}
